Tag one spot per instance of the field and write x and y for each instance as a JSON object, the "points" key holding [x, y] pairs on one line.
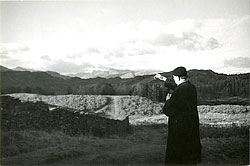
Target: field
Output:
{"points": [[224, 134]]}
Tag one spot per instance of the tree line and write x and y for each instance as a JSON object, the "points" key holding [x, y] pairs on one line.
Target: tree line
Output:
{"points": [[209, 85]]}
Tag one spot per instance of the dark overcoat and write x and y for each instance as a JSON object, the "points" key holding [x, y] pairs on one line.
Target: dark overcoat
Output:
{"points": [[183, 144]]}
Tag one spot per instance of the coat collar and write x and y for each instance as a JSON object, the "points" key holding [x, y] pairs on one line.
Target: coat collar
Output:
{"points": [[186, 82]]}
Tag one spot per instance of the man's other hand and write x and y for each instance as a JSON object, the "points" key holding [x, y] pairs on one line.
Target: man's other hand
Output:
{"points": [[168, 96]]}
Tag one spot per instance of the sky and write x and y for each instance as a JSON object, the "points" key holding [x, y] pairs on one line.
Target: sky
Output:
{"points": [[82, 36]]}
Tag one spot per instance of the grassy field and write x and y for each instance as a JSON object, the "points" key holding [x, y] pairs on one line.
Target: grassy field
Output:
{"points": [[146, 146], [221, 144]]}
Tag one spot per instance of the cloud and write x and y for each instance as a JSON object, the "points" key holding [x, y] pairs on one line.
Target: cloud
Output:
{"points": [[114, 53], [141, 48], [122, 45], [239, 62], [241, 21], [212, 43], [144, 51], [3, 56], [10, 62], [86, 52], [189, 41], [45, 57], [69, 67], [131, 48], [117, 51], [93, 50], [75, 55], [105, 12], [13, 48]]}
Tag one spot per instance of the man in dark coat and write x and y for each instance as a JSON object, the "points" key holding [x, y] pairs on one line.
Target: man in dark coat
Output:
{"points": [[183, 144]]}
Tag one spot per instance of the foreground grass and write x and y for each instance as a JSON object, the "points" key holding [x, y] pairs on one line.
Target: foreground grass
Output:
{"points": [[41, 148], [146, 146]]}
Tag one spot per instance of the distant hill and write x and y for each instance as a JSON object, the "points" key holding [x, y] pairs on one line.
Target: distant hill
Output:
{"points": [[31, 82], [52, 73], [112, 73], [22, 69], [210, 85], [80, 75], [58, 75], [147, 72], [2, 68]]}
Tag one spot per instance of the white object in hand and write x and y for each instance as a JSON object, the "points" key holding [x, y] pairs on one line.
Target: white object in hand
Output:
{"points": [[160, 77]]}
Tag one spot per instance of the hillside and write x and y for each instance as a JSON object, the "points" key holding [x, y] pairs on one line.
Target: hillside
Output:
{"points": [[2, 68], [210, 85], [55, 74]]}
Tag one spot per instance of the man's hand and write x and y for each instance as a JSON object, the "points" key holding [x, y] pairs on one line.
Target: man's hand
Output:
{"points": [[160, 77], [168, 96]]}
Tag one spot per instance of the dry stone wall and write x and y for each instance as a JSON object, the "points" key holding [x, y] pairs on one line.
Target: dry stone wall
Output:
{"points": [[17, 115]]}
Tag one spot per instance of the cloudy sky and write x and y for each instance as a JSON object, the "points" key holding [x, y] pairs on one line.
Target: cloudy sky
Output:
{"points": [[81, 36]]}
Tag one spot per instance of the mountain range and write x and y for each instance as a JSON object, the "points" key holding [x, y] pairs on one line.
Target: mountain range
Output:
{"points": [[209, 84], [110, 73], [22, 69]]}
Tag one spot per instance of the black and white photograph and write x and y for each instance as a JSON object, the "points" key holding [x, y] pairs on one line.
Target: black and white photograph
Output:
{"points": [[124, 82]]}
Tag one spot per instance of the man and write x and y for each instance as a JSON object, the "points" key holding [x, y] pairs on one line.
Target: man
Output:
{"points": [[183, 144]]}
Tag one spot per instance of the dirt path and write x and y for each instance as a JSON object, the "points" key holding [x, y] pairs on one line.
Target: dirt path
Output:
{"points": [[113, 109], [118, 113]]}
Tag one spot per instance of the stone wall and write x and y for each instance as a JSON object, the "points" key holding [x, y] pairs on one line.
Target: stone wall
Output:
{"points": [[17, 115]]}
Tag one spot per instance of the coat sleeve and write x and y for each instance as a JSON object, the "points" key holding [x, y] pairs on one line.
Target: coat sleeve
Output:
{"points": [[170, 84], [172, 105]]}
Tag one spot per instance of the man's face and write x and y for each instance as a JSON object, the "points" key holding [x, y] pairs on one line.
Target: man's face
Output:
{"points": [[176, 79]]}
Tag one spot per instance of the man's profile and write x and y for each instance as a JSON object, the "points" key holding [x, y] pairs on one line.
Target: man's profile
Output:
{"points": [[183, 144]]}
